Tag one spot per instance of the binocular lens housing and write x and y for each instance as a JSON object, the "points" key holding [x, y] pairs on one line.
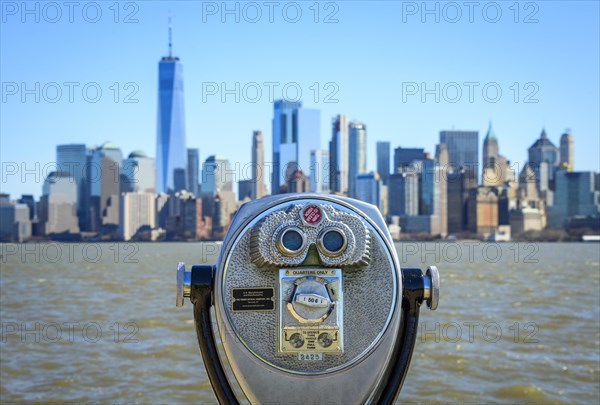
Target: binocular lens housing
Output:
{"points": [[332, 241], [291, 241]]}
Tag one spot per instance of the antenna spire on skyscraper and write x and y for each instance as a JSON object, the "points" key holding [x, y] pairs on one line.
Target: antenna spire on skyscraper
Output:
{"points": [[170, 36]]}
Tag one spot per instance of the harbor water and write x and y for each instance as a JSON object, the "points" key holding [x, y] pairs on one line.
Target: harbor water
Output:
{"points": [[517, 323]]}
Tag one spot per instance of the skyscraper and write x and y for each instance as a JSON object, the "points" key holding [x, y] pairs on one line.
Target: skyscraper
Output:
{"points": [[29, 201], [496, 170], [441, 157], [218, 198], [245, 189], [308, 136], [298, 182], [368, 187], [457, 193], [403, 194], [357, 154], [283, 123], [544, 159], [543, 150], [137, 215], [139, 172], [161, 208], [404, 157], [171, 153], [319, 171], [15, 225], [193, 168], [338, 155], [576, 195], [429, 187], [482, 210], [567, 150], [103, 187], [72, 159], [528, 193], [463, 150], [185, 219], [383, 161], [296, 131], [58, 204], [258, 188], [490, 148], [216, 175]]}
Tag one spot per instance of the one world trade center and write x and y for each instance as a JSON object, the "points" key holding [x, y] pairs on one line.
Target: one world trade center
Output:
{"points": [[171, 155]]}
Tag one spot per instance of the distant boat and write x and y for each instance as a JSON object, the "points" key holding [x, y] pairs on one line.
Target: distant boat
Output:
{"points": [[590, 238]]}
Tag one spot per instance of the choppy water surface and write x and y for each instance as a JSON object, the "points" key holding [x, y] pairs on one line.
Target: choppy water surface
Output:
{"points": [[516, 323]]}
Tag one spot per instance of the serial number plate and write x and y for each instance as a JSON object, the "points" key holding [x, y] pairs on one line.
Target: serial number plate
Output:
{"points": [[310, 356]]}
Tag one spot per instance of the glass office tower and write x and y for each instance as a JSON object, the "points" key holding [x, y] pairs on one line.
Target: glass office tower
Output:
{"points": [[383, 160], [338, 155], [171, 153], [463, 150], [193, 170], [357, 154], [283, 124], [296, 132]]}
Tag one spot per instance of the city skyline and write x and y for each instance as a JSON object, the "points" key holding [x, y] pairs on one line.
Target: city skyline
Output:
{"points": [[371, 165], [241, 169], [112, 197], [377, 100]]}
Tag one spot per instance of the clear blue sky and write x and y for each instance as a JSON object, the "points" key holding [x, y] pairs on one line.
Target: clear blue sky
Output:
{"points": [[372, 49]]}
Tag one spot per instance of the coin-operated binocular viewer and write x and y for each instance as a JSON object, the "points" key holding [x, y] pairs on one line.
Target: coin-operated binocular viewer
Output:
{"points": [[310, 304]]}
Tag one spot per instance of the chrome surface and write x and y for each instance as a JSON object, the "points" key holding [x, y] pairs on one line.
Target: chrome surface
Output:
{"points": [[184, 287], [426, 287], [432, 287]]}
